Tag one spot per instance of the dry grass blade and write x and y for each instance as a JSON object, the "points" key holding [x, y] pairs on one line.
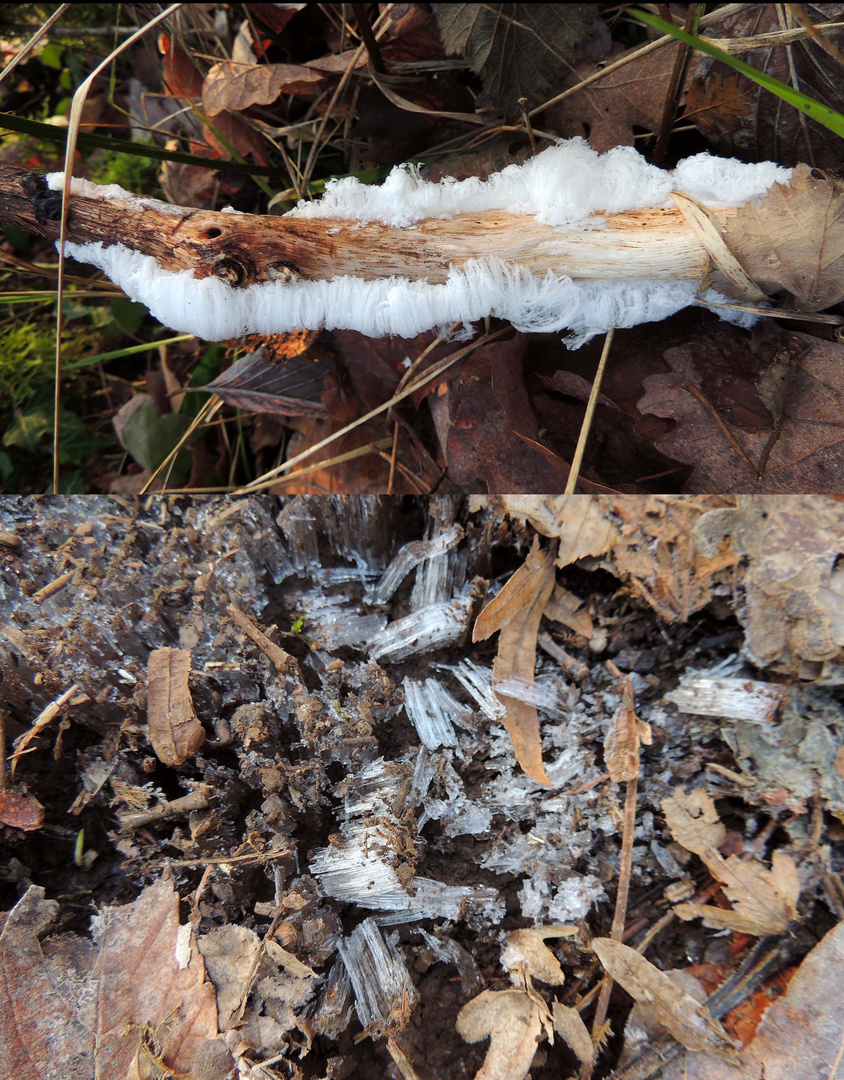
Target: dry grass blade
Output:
{"points": [[705, 227], [268, 478], [408, 106], [74, 121], [208, 410], [586, 426], [19, 57], [341, 86]]}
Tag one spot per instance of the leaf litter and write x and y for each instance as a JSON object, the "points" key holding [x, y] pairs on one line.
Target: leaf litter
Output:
{"points": [[311, 901]]}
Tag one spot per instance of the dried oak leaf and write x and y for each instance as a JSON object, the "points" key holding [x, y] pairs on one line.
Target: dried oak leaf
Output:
{"points": [[174, 729], [793, 239], [764, 901], [806, 451], [514, 1020], [516, 612], [688, 1021], [519, 50], [76, 1008], [232, 87], [794, 583]]}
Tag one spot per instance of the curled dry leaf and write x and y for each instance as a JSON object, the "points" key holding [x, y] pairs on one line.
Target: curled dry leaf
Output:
{"points": [[566, 608], [516, 612], [579, 521], [174, 729], [764, 901], [688, 1021], [526, 953], [793, 239], [626, 731], [693, 821], [569, 1024], [514, 1021], [233, 87]]}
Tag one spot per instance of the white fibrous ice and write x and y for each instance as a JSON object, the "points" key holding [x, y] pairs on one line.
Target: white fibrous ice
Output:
{"points": [[568, 186], [335, 623], [564, 185], [431, 708], [410, 556], [428, 628], [382, 985]]}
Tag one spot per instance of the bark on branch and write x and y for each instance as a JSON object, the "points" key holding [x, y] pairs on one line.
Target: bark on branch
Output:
{"points": [[244, 249]]}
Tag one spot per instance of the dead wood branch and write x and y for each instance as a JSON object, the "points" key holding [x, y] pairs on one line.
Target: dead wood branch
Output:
{"points": [[244, 249]]}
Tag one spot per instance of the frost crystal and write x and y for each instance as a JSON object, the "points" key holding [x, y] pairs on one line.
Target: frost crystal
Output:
{"points": [[430, 708], [429, 628], [384, 994]]}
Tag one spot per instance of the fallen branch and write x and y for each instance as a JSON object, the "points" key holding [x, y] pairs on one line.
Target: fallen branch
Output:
{"points": [[570, 240]]}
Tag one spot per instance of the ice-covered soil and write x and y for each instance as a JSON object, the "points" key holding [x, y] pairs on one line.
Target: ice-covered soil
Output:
{"points": [[367, 793]]}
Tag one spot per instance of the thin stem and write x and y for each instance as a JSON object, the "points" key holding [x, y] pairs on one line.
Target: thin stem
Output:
{"points": [[368, 38], [675, 86], [577, 461]]}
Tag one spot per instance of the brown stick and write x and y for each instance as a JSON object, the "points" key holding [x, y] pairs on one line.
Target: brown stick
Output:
{"points": [[243, 249]]}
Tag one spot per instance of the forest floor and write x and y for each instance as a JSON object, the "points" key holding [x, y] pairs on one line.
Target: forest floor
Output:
{"points": [[263, 813], [257, 106]]}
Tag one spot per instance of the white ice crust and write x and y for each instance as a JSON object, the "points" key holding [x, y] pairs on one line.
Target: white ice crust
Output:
{"points": [[563, 186]]}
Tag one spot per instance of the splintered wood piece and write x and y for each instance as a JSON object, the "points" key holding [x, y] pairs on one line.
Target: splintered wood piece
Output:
{"points": [[174, 729], [244, 249]]}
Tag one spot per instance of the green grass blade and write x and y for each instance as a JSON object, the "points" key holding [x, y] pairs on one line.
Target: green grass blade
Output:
{"points": [[129, 351], [89, 140], [822, 113]]}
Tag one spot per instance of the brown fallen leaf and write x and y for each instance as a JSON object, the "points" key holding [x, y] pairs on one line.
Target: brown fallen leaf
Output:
{"points": [[580, 522], [621, 746], [802, 1034], [73, 1007], [737, 116], [20, 810], [233, 86], [764, 901], [174, 729], [612, 107], [724, 428], [795, 580], [793, 239], [526, 954], [514, 1022], [566, 608], [569, 1024], [688, 1021], [516, 612]]}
